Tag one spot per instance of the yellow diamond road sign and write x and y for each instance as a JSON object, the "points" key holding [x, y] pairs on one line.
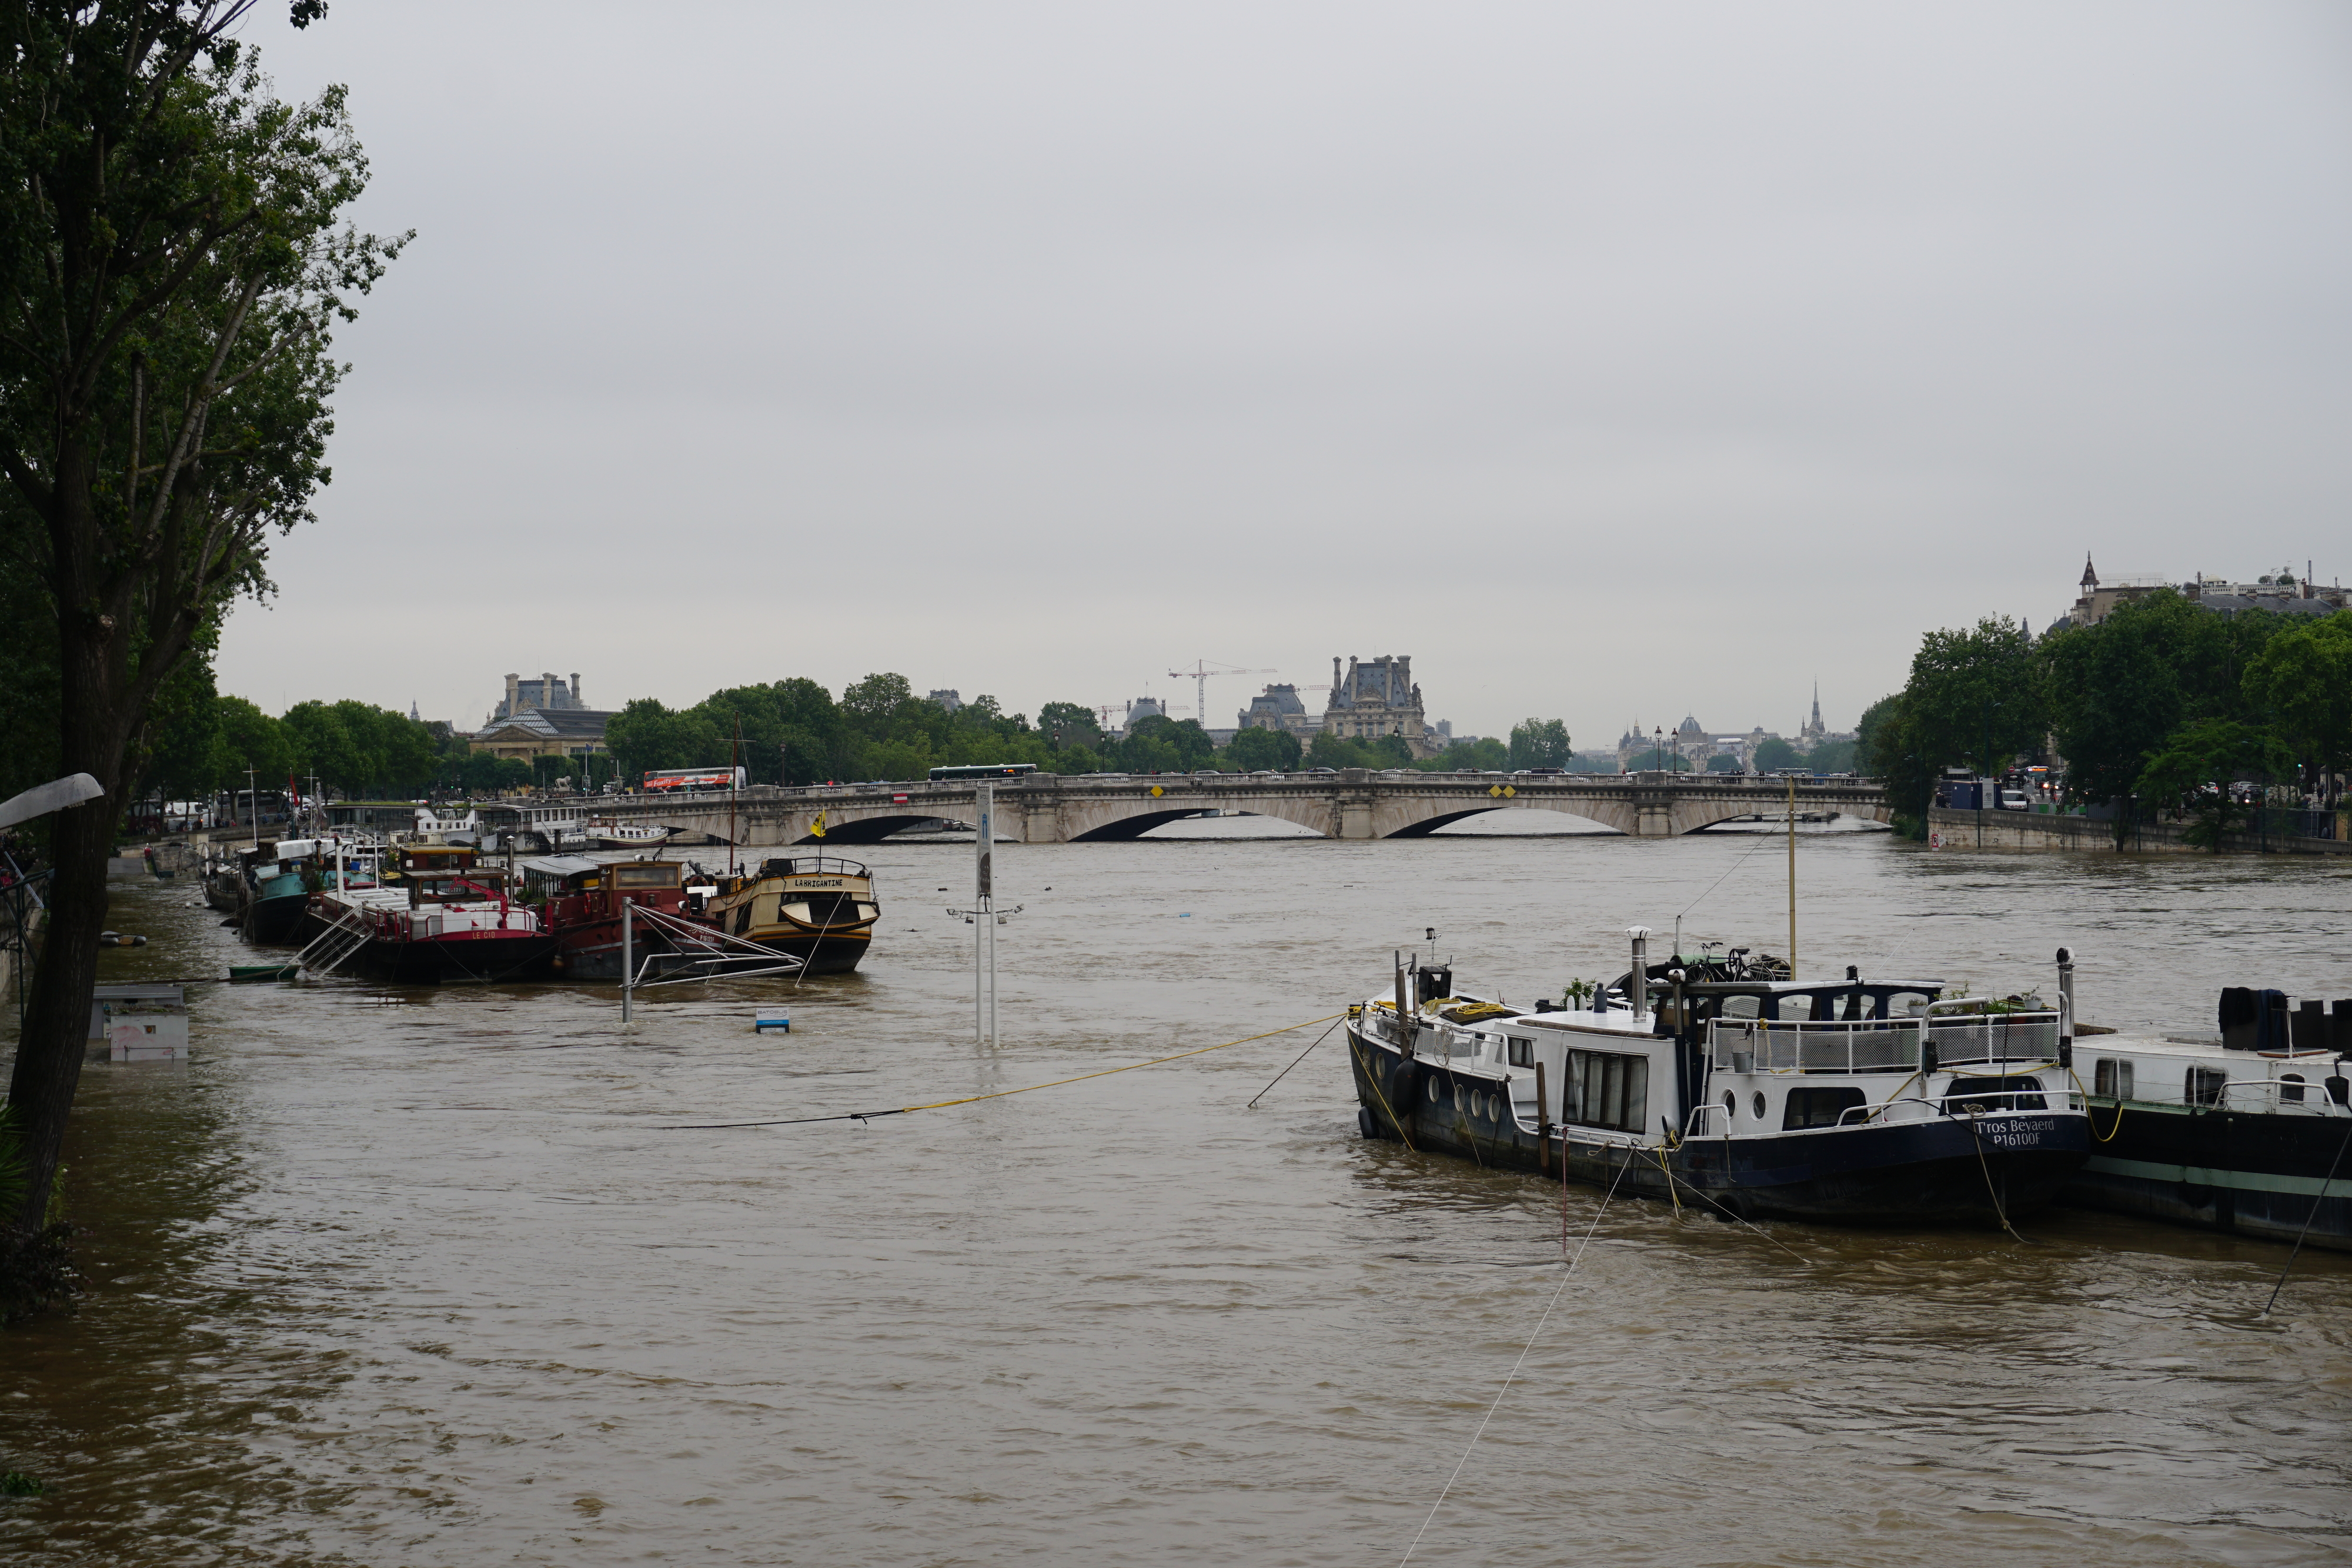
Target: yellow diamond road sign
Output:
{"points": [[1156, 789], [1495, 791], [1510, 789]]}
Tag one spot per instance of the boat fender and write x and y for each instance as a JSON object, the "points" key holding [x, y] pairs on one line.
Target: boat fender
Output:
{"points": [[1405, 1081]]}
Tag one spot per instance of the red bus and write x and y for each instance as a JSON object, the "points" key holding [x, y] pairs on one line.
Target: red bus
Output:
{"points": [[691, 779]]}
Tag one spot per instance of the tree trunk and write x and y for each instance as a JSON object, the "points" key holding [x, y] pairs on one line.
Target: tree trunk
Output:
{"points": [[57, 1014]]}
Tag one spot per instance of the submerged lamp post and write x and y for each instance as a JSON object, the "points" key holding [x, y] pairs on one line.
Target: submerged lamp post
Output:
{"points": [[984, 916]]}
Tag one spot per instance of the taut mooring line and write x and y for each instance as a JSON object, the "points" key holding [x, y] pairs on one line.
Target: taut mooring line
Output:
{"points": [[999, 1094]]}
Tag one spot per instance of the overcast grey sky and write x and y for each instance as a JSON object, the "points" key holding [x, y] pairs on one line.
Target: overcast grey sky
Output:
{"points": [[1611, 359]]}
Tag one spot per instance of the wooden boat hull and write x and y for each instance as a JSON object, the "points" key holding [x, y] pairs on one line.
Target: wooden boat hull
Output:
{"points": [[1945, 1170]]}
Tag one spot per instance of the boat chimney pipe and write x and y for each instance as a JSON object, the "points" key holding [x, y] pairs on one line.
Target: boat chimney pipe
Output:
{"points": [[2066, 1008], [1638, 996]]}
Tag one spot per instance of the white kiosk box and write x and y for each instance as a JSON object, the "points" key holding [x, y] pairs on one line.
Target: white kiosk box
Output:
{"points": [[139, 1023]]}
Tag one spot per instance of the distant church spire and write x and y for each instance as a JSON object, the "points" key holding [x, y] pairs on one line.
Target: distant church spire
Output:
{"points": [[1817, 705], [2090, 573], [413, 714]]}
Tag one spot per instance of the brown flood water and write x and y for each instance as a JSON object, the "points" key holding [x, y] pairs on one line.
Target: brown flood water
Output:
{"points": [[419, 1276]]}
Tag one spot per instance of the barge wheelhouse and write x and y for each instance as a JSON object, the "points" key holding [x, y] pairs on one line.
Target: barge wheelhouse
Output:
{"points": [[1846, 1100]]}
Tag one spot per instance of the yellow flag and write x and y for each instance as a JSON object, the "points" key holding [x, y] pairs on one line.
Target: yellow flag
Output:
{"points": [[816, 829]]}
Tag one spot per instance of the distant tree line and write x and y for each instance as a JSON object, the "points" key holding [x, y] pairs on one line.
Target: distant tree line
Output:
{"points": [[2162, 707], [794, 732]]}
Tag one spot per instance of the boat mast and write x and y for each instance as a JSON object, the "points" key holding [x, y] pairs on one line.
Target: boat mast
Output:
{"points": [[734, 772], [1792, 876]]}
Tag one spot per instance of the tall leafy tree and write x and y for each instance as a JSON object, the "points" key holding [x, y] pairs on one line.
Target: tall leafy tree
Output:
{"points": [[2121, 689], [2196, 771], [172, 260], [1259, 747], [1976, 696], [1540, 743], [2303, 677]]}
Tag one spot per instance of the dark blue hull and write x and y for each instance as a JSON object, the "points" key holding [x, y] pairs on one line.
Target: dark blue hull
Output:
{"points": [[1943, 1170], [2245, 1173]]}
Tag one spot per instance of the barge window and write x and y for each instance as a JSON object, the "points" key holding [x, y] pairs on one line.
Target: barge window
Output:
{"points": [[1742, 1006], [2207, 1085], [2112, 1079], [2291, 1088], [1523, 1052], [1817, 1107], [1609, 1090], [1990, 1096]]}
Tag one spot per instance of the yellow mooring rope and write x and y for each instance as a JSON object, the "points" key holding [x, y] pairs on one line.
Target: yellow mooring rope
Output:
{"points": [[1001, 1094]]}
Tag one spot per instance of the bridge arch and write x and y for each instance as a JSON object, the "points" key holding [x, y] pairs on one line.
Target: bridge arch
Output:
{"points": [[1429, 825]]}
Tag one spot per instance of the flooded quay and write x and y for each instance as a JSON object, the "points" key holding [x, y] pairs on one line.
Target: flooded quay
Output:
{"points": [[425, 1276]]}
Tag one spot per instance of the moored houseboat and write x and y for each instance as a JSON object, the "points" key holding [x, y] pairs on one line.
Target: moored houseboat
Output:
{"points": [[437, 916], [2246, 1131], [581, 907], [273, 882], [1876, 1101], [818, 908]]}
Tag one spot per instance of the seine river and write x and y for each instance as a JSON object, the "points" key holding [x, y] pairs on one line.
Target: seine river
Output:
{"points": [[427, 1277]]}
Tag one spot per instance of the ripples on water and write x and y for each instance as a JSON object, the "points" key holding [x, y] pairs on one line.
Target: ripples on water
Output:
{"points": [[417, 1277]]}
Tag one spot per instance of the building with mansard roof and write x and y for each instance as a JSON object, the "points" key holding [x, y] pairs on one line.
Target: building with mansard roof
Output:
{"points": [[1377, 697]]}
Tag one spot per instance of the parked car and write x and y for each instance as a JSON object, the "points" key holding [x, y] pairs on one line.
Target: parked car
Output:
{"points": [[2016, 801]]}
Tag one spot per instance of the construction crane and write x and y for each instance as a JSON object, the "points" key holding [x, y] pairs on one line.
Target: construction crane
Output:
{"points": [[1199, 676]]}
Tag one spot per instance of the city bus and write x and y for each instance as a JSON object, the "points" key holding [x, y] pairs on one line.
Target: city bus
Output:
{"points": [[693, 779], [986, 770]]}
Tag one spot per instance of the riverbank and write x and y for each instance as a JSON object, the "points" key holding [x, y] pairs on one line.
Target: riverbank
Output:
{"points": [[2038, 830]]}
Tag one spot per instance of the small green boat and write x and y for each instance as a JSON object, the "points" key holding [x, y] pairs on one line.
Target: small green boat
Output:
{"points": [[245, 974]]}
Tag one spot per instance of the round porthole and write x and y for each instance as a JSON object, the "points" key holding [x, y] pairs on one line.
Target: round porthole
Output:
{"points": [[1730, 1103], [1758, 1103], [1432, 1090]]}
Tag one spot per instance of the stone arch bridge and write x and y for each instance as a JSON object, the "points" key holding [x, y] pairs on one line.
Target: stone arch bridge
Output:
{"points": [[1354, 804]]}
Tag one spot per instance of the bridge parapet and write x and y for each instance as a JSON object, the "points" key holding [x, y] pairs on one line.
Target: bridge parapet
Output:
{"points": [[1354, 804]]}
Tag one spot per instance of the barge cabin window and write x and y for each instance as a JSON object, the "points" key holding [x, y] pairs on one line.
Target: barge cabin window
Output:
{"points": [[1523, 1052], [1992, 1097], [2112, 1079], [1608, 1089], [2207, 1085], [1817, 1107]]}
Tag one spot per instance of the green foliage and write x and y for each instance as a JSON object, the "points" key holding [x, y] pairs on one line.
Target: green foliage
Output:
{"points": [[1255, 748], [1067, 725], [357, 749], [1774, 755], [1540, 743], [2121, 689], [1835, 757], [2193, 773], [244, 737], [1346, 751], [1720, 764], [1978, 696], [17, 1483], [2302, 677], [1658, 759], [177, 754], [645, 737], [1887, 749]]}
